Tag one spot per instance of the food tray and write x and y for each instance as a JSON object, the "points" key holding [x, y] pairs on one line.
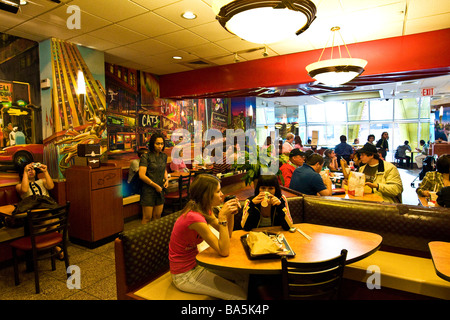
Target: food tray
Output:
{"points": [[289, 253]]}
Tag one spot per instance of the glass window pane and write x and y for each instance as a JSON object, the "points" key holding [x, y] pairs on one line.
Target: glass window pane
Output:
{"points": [[358, 111], [425, 108], [261, 116], [381, 109], [322, 134], [377, 129], [406, 108], [315, 113], [292, 114], [280, 114], [301, 115], [360, 131], [405, 132], [336, 112], [334, 133]]}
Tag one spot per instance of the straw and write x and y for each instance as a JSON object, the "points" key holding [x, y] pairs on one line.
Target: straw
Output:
{"points": [[304, 234]]}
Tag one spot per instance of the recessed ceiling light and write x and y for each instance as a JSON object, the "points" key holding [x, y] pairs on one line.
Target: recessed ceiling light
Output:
{"points": [[177, 57], [189, 15]]}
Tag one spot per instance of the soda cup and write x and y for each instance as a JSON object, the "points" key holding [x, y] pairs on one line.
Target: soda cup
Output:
{"points": [[265, 201]]}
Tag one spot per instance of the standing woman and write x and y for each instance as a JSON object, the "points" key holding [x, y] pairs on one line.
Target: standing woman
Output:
{"points": [[153, 173], [191, 228]]}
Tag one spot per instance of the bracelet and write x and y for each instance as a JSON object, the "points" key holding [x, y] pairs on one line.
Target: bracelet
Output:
{"points": [[223, 223]]}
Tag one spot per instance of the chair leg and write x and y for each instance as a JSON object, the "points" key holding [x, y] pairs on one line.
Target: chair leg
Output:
{"points": [[52, 254], [36, 273], [16, 267]]}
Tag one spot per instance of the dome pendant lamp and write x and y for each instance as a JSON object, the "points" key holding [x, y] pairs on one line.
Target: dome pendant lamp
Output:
{"points": [[265, 21], [334, 72]]}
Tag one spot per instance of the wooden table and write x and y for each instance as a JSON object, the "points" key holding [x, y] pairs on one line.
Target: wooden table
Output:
{"points": [[440, 254], [327, 242], [7, 211], [366, 197]]}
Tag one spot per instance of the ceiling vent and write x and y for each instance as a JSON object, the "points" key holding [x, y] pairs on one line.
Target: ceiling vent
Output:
{"points": [[197, 64]]}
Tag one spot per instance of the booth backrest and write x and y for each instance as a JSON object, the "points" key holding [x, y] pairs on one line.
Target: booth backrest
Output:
{"points": [[8, 195], [145, 250], [401, 226]]}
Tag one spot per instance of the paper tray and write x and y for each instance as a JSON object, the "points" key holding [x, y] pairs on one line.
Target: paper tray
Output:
{"points": [[290, 254]]}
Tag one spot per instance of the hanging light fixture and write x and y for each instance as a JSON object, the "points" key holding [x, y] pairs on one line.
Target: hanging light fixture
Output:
{"points": [[265, 21], [334, 72]]}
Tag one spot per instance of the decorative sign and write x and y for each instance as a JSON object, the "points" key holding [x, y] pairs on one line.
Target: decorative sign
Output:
{"points": [[427, 92], [149, 121], [5, 92]]}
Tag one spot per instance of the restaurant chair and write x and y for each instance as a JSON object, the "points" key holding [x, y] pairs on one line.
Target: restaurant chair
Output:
{"points": [[47, 230], [180, 197], [313, 280]]}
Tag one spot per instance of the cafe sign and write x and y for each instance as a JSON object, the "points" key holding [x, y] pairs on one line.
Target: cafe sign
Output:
{"points": [[5, 92]]}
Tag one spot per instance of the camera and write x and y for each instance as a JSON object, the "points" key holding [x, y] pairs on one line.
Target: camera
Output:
{"points": [[36, 165]]}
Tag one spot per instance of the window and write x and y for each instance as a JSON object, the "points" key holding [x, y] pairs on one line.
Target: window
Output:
{"points": [[381, 110]]}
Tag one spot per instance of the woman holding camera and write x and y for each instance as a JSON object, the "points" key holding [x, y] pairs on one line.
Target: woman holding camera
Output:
{"points": [[29, 186]]}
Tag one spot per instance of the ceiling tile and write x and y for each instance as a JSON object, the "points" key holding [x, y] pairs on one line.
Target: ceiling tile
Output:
{"points": [[88, 22], [181, 39], [154, 4], [37, 7], [150, 24], [117, 34], [174, 11], [420, 8], [437, 22], [167, 69], [93, 42], [212, 31], [37, 26], [236, 44], [151, 47], [207, 50], [120, 10]]}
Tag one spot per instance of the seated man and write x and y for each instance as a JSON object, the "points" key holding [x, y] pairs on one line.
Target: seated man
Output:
{"points": [[423, 154], [343, 149], [296, 159], [307, 180], [383, 176], [401, 153]]}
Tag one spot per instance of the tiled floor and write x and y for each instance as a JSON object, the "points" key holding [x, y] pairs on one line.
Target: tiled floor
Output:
{"points": [[97, 267], [97, 271]]}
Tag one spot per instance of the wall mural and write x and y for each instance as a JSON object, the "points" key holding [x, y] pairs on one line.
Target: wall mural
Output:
{"points": [[71, 118]]}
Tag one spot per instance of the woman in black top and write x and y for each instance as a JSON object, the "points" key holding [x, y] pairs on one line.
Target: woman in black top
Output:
{"points": [[268, 207], [153, 173]]}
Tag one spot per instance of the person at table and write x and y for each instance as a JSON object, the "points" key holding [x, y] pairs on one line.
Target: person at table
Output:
{"points": [[296, 159], [268, 207], [308, 180], [401, 153], [153, 173], [434, 181], [178, 165], [288, 145], [423, 149], [330, 160], [384, 178], [29, 184], [343, 149], [298, 143], [383, 144], [371, 139], [191, 228]]}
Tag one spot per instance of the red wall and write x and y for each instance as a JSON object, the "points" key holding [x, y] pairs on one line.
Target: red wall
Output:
{"points": [[413, 52]]}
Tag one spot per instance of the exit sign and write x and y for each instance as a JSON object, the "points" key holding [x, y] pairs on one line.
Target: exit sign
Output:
{"points": [[427, 92]]}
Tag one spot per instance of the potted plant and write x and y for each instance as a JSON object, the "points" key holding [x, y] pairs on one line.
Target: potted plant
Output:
{"points": [[253, 168]]}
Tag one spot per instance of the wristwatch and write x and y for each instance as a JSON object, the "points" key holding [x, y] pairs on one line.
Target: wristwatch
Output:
{"points": [[223, 223]]}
